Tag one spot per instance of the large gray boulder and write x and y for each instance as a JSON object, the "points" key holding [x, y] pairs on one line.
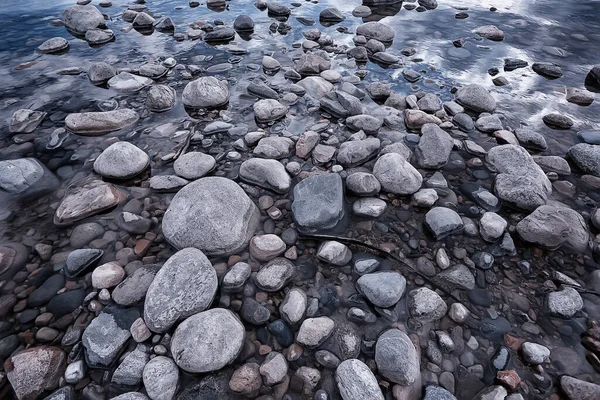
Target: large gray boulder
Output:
{"points": [[79, 19], [555, 227], [396, 175], [121, 160], [396, 357], [355, 381], [26, 177], [206, 92], [318, 202], [586, 157], [186, 284], [208, 341], [476, 98], [434, 148], [212, 214], [377, 31], [35, 370]]}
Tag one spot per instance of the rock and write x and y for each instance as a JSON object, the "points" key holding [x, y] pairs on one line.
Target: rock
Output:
{"points": [[548, 70], [579, 97], [133, 289], [186, 284], [491, 226], [278, 8], [576, 389], [206, 92], [331, 14], [130, 372], [458, 276], [488, 123], [75, 372], [105, 336], [586, 157], [433, 392], [363, 184], [492, 393], [315, 86], [143, 21], [97, 37], [318, 202], [443, 221], [46, 291], [314, 331], [223, 34], [100, 123], [236, 277], [268, 174], [274, 369], [246, 380], [357, 152], [434, 148], [293, 307], [160, 98], [243, 23], [355, 381], [267, 110], [426, 305], [125, 82], [531, 140], [334, 253], [194, 165], [167, 183], [65, 303], [273, 147], [25, 120], [383, 289], [79, 202], [81, 18], [425, 198], [564, 303], [154, 71], [130, 396], [233, 217], [311, 64], [396, 175], [275, 275], [458, 313], [415, 119], [557, 121], [396, 357], [554, 227], [100, 72], [53, 45], [369, 207], [26, 178], [266, 247], [208, 341], [367, 123], [161, 377], [107, 275], [67, 393], [35, 370], [306, 142], [78, 261], [534, 353], [121, 160], [475, 98], [377, 31], [490, 32]]}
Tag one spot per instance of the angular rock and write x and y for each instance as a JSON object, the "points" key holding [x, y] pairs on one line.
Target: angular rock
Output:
{"points": [[275, 275], [206, 92], [85, 199], [426, 305], [268, 174], [161, 98], [443, 221], [383, 289], [25, 120], [35, 370], [434, 148], [396, 175], [490, 32], [357, 152], [318, 202]]}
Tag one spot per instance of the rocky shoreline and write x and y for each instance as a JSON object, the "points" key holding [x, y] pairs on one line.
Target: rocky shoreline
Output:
{"points": [[305, 233]]}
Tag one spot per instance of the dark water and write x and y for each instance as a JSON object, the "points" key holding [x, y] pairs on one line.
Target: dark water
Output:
{"points": [[564, 32]]}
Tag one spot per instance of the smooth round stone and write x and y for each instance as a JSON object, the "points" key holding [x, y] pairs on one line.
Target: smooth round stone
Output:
{"points": [[396, 357], [208, 341], [81, 18], [363, 184], [361, 12], [355, 381], [97, 37], [161, 377], [206, 92], [100, 123], [78, 261], [53, 45], [266, 247], [534, 353], [107, 275], [126, 82], [275, 275], [121, 160], [194, 165], [314, 331], [294, 305], [160, 98]]}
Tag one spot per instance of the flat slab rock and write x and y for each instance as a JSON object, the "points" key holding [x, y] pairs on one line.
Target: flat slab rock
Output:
{"points": [[318, 202], [100, 123], [212, 214]]}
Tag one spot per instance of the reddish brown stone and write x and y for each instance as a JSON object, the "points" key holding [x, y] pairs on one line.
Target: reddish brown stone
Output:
{"points": [[510, 379], [35, 370]]}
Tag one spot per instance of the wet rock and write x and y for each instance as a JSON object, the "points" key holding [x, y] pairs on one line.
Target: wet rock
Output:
{"points": [[430, 103], [236, 277], [223, 34], [334, 253], [557, 121], [206, 92], [434, 148], [232, 214], [293, 306], [356, 152], [318, 202], [243, 23], [442, 221], [186, 284], [476, 98], [160, 98], [579, 97], [377, 31], [488, 123], [154, 71], [143, 21], [278, 8], [26, 121], [267, 110], [53, 45], [273, 147], [121, 160], [586, 157], [383, 289], [246, 380], [100, 72], [275, 275], [96, 37], [415, 119], [355, 381], [426, 305], [131, 396], [315, 86], [35, 370], [282, 333], [161, 377], [396, 357], [490, 32], [576, 389], [66, 393], [208, 341], [554, 227], [78, 261], [100, 123], [564, 303], [126, 82], [531, 140], [133, 289], [396, 175], [274, 369], [167, 183], [26, 178], [363, 184], [81, 18], [547, 70], [367, 123], [311, 64], [194, 165], [268, 174], [65, 303], [105, 336], [107, 275], [314, 331], [492, 393], [331, 14]]}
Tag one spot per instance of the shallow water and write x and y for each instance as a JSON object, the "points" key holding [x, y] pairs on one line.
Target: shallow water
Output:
{"points": [[566, 33]]}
